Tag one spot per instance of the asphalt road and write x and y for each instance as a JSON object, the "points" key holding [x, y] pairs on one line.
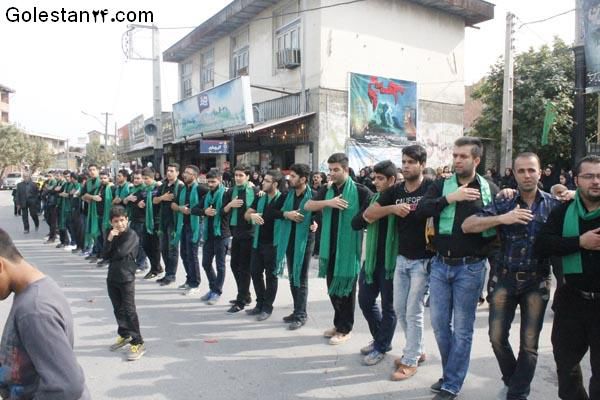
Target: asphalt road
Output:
{"points": [[196, 351]]}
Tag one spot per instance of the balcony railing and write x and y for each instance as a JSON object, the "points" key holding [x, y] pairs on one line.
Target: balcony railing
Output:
{"points": [[279, 108]]}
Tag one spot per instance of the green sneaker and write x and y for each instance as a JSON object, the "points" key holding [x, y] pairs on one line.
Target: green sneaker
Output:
{"points": [[136, 351], [121, 341]]}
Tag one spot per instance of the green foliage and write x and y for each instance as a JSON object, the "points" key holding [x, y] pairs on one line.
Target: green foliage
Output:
{"points": [[13, 146], [96, 153], [547, 74], [39, 157]]}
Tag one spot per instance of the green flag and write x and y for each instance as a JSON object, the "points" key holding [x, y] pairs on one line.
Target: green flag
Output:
{"points": [[549, 119]]}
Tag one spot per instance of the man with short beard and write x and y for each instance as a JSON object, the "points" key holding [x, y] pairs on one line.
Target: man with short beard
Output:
{"points": [[340, 252], [518, 277], [295, 241], [573, 233], [169, 192], [188, 229], [458, 270], [136, 216], [262, 213], [411, 277]]}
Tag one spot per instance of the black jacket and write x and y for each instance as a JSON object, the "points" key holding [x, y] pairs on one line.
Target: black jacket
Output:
{"points": [[27, 193], [121, 252]]}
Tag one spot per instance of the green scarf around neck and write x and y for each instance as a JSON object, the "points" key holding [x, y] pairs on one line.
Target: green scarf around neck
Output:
{"points": [[108, 198], [149, 217], [214, 199], [194, 219], [51, 184], [122, 191], [347, 259], [283, 228], [262, 203], [572, 263], [92, 228], [448, 213], [391, 247], [248, 200], [64, 207]]}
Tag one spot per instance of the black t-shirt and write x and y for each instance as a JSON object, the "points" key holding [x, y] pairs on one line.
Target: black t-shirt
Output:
{"points": [[138, 214], [364, 195], [411, 230], [166, 214], [243, 229], [266, 231]]}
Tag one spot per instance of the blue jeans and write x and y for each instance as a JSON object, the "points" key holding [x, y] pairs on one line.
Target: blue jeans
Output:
{"points": [[382, 323], [214, 248], [411, 281], [454, 293], [189, 256], [169, 252], [505, 293], [140, 259]]}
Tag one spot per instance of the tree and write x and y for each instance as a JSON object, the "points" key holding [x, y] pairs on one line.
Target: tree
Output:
{"points": [[38, 155], [98, 154], [547, 74], [13, 147]]}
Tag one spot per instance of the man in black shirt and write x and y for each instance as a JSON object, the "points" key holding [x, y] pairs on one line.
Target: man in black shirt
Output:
{"points": [[340, 244], [296, 239], [411, 277], [376, 275], [136, 215], [236, 201], [458, 271], [573, 233], [188, 227], [215, 235], [169, 191], [27, 200], [262, 214]]}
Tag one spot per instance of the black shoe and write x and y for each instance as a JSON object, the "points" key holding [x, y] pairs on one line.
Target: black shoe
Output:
{"points": [[26, 231], [93, 259], [235, 309], [50, 241], [262, 316], [76, 251], [444, 395], [150, 275], [102, 263], [86, 257], [247, 302], [37, 228], [296, 324], [166, 282], [436, 387], [60, 246], [289, 318], [253, 311]]}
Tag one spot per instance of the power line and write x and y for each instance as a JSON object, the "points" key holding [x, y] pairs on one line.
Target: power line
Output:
{"points": [[345, 3], [545, 19]]}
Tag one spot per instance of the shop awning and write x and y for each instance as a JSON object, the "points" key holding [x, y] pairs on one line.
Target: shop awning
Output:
{"points": [[269, 124]]}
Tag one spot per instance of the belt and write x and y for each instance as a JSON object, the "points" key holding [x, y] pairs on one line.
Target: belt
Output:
{"points": [[455, 261], [587, 295], [520, 276]]}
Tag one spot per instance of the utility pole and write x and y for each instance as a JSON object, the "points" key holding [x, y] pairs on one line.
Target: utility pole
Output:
{"points": [[106, 114], [506, 144], [67, 154], [578, 149]]}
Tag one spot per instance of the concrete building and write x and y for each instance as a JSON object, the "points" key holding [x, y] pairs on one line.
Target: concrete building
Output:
{"points": [[97, 136], [298, 55], [5, 103]]}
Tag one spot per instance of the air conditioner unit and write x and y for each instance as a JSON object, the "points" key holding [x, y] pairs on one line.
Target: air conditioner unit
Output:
{"points": [[288, 58], [242, 71]]}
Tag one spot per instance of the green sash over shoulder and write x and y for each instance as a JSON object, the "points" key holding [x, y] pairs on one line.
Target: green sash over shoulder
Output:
{"points": [[194, 219], [92, 228], [134, 190], [283, 229], [262, 203], [108, 198], [149, 217], [216, 201], [391, 247], [64, 207], [572, 263], [448, 213], [347, 259], [248, 200]]}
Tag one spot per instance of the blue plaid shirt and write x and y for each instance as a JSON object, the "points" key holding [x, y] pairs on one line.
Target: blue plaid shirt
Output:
{"points": [[516, 253]]}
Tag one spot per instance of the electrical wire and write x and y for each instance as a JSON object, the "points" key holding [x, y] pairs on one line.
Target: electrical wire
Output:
{"points": [[545, 19]]}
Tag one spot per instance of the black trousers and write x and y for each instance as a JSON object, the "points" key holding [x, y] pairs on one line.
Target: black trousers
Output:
{"points": [[77, 228], [241, 254], [576, 329], [122, 297], [151, 245], [263, 276], [300, 292], [30, 207], [343, 317], [51, 219]]}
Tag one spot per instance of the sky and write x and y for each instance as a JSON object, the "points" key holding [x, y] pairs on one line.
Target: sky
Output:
{"points": [[67, 74]]}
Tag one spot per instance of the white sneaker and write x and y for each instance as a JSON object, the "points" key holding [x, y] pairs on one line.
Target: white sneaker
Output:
{"points": [[191, 291], [69, 248]]}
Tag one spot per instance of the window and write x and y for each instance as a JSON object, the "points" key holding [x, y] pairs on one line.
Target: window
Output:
{"points": [[286, 31], [4, 116], [186, 80], [207, 71], [4, 97], [240, 53]]}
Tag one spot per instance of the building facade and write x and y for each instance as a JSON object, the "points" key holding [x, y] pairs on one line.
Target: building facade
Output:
{"points": [[5, 93], [299, 54]]}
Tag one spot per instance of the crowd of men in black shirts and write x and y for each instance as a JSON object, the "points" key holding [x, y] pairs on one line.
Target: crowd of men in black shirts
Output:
{"points": [[414, 236]]}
